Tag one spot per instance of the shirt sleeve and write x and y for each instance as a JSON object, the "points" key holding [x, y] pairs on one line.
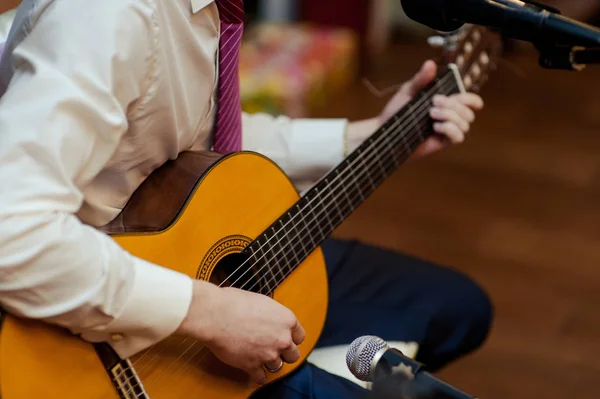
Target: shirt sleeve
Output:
{"points": [[305, 149], [61, 119]]}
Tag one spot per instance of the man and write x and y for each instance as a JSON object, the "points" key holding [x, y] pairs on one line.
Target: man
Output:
{"points": [[100, 94]]}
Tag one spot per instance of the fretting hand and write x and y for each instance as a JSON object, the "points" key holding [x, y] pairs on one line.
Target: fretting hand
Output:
{"points": [[452, 115]]}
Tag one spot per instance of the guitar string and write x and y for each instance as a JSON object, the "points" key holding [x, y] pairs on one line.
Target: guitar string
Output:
{"points": [[440, 81], [149, 362], [367, 150], [299, 232], [307, 227], [370, 154], [401, 121], [364, 172], [393, 126]]}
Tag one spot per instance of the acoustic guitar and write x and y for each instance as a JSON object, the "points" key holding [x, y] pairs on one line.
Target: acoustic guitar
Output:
{"points": [[237, 221]]}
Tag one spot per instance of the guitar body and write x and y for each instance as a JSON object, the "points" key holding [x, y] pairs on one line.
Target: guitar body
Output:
{"points": [[223, 210], [233, 221]]}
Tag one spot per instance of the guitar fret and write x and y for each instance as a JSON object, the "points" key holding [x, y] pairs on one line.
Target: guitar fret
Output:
{"points": [[392, 152], [317, 224], [413, 122], [305, 237], [315, 216], [345, 192], [260, 260], [305, 231], [335, 201], [367, 169], [384, 172], [323, 206], [362, 198], [266, 264], [278, 256], [291, 248], [295, 228], [346, 188]]}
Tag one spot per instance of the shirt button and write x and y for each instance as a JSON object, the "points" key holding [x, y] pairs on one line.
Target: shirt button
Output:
{"points": [[117, 337]]}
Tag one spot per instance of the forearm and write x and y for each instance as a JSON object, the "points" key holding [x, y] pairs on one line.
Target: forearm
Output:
{"points": [[304, 148], [358, 131], [57, 270], [61, 124]]}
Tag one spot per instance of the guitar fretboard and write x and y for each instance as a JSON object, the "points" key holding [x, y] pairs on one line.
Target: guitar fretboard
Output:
{"points": [[309, 222]]}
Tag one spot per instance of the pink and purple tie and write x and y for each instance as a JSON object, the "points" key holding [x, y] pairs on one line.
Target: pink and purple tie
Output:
{"points": [[228, 125]]}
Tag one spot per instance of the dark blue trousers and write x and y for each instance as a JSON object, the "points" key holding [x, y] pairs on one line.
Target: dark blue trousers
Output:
{"points": [[374, 291]]}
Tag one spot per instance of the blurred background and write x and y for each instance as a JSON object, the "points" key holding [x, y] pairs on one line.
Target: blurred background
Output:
{"points": [[516, 207]]}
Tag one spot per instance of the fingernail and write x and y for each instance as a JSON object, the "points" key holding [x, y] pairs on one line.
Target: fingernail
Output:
{"points": [[434, 112], [438, 99]]}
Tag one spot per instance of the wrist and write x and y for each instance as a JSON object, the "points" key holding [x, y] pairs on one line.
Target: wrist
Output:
{"points": [[199, 319], [357, 132]]}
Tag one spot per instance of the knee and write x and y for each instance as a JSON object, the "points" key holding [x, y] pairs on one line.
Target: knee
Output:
{"points": [[461, 322], [473, 309]]}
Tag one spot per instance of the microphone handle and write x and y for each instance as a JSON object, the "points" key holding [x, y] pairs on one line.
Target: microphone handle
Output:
{"points": [[565, 30], [528, 22], [440, 389], [393, 361]]}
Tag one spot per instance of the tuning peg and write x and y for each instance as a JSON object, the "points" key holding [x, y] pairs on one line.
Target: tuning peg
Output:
{"points": [[484, 58], [468, 82], [436, 41]]}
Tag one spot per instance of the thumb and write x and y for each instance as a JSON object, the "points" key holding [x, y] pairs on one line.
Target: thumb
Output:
{"points": [[421, 79]]}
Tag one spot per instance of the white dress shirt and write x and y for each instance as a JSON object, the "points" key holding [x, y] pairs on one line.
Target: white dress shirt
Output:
{"points": [[99, 94]]}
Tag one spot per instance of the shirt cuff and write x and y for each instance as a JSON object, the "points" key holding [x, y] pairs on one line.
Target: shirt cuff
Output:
{"points": [[317, 145], [159, 301]]}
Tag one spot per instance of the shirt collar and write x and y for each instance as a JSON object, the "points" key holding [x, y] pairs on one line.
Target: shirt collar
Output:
{"points": [[198, 5]]}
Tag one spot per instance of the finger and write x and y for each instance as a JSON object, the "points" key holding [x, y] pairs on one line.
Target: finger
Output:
{"points": [[450, 130], [461, 109], [291, 355], [431, 145], [258, 375], [298, 333], [421, 79], [449, 115], [471, 100]]}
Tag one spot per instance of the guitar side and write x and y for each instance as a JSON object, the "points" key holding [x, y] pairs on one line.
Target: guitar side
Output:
{"points": [[231, 204]]}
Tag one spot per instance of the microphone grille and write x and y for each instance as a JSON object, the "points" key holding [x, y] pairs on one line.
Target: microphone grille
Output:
{"points": [[361, 353]]}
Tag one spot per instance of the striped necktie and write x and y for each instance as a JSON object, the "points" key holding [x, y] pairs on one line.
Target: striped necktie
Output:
{"points": [[228, 125]]}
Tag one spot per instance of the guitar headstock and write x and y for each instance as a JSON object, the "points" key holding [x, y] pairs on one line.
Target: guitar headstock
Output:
{"points": [[474, 50]]}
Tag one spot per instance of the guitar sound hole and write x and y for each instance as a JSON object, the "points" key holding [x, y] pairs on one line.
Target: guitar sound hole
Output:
{"points": [[234, 271]]}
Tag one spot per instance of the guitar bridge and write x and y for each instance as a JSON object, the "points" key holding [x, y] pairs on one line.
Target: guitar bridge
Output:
{"points": [[127, 382], [124, 378]]}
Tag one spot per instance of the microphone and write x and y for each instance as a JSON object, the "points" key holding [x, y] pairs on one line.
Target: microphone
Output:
{"points": [[371, 359], [529, 21]]}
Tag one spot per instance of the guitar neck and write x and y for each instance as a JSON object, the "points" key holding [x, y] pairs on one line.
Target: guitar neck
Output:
{"points": [[291, 238]]}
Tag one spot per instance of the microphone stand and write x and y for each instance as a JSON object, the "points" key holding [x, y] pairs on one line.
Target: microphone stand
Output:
{"points": [[560, 56], [570, 58]]}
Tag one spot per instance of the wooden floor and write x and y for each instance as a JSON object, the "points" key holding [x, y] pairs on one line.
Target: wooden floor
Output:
{"points": [[517, 207]]}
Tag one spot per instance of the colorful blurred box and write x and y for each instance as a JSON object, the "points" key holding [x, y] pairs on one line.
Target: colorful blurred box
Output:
{"points": [[290, 69]]}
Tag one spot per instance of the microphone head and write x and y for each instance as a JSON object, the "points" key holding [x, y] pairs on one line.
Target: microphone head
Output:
{"points": [[363, 354], [432, 13]]}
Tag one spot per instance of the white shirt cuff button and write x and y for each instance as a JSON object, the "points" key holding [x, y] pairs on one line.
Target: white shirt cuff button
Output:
{"points": [[117, 337]]}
